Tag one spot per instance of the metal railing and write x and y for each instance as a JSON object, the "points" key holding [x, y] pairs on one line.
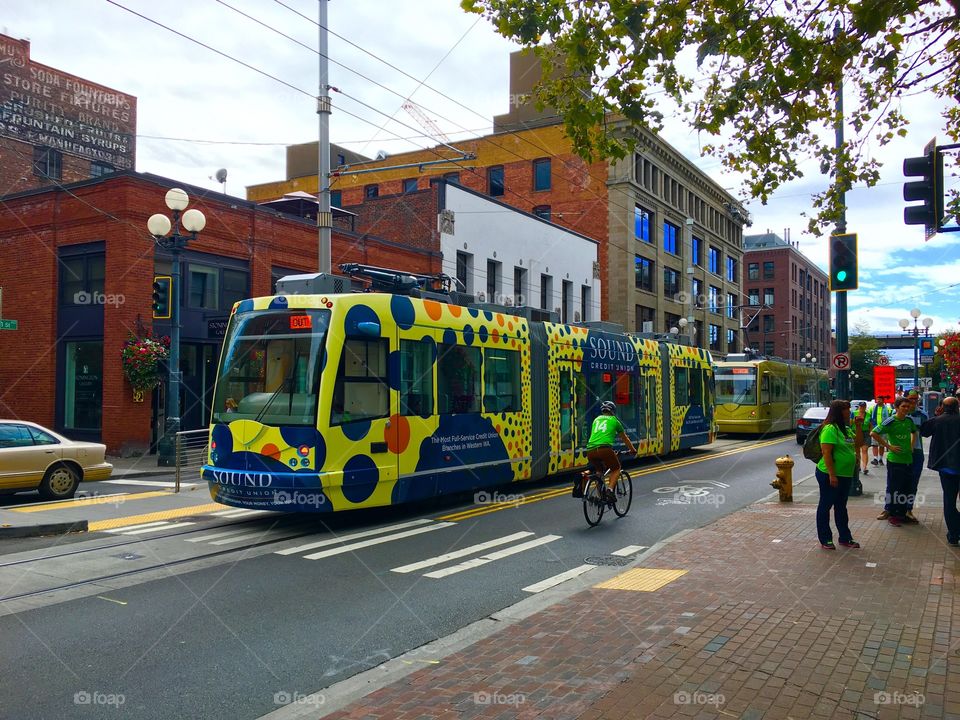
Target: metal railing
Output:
{"points": [[191, 452]]}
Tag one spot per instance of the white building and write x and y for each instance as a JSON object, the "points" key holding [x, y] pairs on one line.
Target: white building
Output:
{"points": [[509, 257]]}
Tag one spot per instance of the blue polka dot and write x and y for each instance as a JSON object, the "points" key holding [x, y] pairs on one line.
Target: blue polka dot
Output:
{"points": [[402, 310], [360, 478], [393, 370], [356, 430], [488, 316], [356, 315], [245, 306], [449, 337], [468, 334], [483, 333], [473, 312], [278, 303]]}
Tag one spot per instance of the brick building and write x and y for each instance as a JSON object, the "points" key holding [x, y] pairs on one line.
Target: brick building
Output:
{"points": [[76, 268], [57, 127], [669, 238], [789, 301]]}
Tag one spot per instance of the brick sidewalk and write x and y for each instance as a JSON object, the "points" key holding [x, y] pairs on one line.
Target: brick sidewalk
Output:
{"points": [[764, 624]]}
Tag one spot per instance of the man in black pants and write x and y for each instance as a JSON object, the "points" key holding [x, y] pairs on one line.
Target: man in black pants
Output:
{"points": [[944, 431]]}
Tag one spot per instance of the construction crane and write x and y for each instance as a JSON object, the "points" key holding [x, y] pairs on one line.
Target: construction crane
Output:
{"points": [[433, 130]]}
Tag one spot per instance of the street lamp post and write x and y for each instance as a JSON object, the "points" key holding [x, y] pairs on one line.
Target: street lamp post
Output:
{"points": [[159, 226], [916, 332], [809, 359]]}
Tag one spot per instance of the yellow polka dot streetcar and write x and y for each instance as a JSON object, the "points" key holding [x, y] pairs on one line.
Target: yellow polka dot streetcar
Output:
{"points": [[329, 399]]}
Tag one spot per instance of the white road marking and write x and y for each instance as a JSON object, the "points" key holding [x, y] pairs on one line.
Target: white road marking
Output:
{"points": [[484, 559], [151, 483], [164, 526], [125, 528], [352, 536], [376, 541], [256, 534], [629, 550], [214, 536], [460, 553], [557, 579], [237, 513]]}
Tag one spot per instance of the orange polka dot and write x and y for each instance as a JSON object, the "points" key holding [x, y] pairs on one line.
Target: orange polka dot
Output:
{"points": [[495, 335], [270, 450], [433, 309], [397, 436], [455, 310], [510, 326], [499, 321]]}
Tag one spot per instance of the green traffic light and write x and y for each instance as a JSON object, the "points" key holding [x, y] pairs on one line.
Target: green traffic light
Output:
{"points": [[842, 275]]}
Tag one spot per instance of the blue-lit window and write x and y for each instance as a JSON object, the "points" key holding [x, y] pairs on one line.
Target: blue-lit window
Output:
{"points": [[697, 250], [731, 305], [671, 283], [641, 224], [731, 341], [644, 273], [671, 233], [714, 299], [713, 261], [731, 269], [714, 337], [495, 181], [410, 185], [371, 191], [541, 174], [336, 197]]}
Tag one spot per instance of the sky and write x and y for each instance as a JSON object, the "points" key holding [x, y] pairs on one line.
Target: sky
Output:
{"points": [[199, 111]]}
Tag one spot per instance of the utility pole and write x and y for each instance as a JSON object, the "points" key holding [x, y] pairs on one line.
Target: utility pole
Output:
{"points": [[843, 376], [324, 215]]}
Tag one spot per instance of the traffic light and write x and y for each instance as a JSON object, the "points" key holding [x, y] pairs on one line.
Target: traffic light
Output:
{"points": [[162, 285], [929, 189], [843, 262]]}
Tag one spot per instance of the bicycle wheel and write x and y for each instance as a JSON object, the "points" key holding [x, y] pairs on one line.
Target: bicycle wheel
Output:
{"points": [[593, 502], [624, 494]]}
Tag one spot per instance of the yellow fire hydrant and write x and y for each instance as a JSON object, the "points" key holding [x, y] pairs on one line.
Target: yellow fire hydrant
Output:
{"points": [[784, 481]]}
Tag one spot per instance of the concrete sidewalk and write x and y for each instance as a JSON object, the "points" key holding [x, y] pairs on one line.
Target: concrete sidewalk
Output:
{"points": [[744, 618]]}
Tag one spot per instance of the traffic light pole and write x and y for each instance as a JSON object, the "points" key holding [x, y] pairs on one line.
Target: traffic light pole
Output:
{"points": [[843, 376]]}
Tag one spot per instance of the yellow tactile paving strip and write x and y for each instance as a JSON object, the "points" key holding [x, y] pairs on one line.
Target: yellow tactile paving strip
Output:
{"points": [[154, 516], [96, 500], [641, 579]]}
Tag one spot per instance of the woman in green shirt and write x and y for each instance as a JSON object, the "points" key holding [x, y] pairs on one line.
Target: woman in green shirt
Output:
{"points": [[840, 443]]}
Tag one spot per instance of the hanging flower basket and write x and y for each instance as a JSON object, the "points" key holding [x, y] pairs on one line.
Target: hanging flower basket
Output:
{"points": [[141, 358]]}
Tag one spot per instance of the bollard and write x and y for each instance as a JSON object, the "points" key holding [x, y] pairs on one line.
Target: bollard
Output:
{"points": [[784, 481]]}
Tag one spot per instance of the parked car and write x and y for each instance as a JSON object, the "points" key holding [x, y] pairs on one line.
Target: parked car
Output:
{"points": [[35, 458], [811, 420]]}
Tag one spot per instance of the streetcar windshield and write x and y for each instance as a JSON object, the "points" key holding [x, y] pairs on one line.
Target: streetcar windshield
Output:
{"points": [[270, 370], [736, 385]]}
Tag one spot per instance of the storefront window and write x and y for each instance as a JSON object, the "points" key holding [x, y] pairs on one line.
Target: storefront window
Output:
{"points": [[83, 385]]}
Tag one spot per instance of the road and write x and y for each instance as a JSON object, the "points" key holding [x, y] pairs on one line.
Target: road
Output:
{"points": [[232, 617]]}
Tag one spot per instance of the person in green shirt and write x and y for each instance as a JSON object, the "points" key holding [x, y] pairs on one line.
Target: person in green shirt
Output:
{"points": [[898, 435], [605, 430], [840, 443]]}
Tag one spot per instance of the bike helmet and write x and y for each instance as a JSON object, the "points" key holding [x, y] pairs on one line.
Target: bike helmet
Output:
{"points": [[608, 406]]}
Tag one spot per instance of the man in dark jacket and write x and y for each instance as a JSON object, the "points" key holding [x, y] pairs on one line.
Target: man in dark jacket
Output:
{"points": [[944, 457]]}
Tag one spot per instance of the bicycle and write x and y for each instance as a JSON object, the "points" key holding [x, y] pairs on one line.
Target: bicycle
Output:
{"points": [[594, 500]]}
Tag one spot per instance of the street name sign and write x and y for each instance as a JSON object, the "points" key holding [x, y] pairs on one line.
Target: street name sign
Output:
{"points": [[8, 324]]}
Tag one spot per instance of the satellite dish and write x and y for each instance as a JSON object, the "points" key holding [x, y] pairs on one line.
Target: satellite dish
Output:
{"points": [[221, 175], [382, 155]]}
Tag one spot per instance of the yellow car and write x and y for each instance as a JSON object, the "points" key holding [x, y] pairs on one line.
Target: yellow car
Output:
{"points": [[35, 458]]}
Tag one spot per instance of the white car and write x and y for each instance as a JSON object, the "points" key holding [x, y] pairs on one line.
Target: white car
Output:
{"points": [[35, 458]]}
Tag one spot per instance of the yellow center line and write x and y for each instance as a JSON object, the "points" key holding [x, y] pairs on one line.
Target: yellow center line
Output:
{"points": [[93, 500], [557, 492], [154, 516]]}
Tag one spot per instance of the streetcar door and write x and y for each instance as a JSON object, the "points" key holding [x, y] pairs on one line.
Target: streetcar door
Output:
{"points": [[651, 411], [567, 415]]}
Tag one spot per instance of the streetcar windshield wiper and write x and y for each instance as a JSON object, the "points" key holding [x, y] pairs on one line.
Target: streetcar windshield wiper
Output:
{"points": [[286, 381]]}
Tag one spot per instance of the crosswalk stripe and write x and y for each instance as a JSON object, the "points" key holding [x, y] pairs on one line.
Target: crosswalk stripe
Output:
{"points": [[151, 483], [484, 559], [557, 579], [164, 526], [460, 553], [376, 541], [238, 513], [351, 536], [136, 527], [256, 534], [629, 550], [214, 536]]}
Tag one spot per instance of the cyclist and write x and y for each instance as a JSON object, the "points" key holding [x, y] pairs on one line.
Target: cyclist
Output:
{"points": [[605, 429]]}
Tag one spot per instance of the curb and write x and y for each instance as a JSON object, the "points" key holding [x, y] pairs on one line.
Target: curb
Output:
{"points": [[25, 531]]}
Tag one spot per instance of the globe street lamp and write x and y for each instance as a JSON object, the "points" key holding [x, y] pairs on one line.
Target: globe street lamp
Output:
{"points": [[810, 359], [916, 332], [159, 226]]}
